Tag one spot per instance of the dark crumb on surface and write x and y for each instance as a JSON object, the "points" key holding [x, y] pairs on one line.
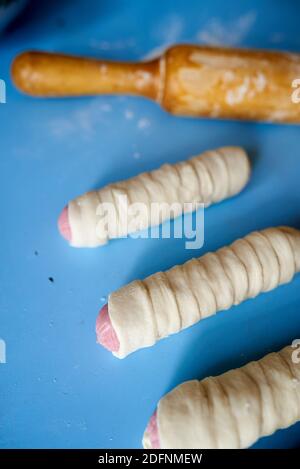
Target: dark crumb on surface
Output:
{"points": [[51, 279]]}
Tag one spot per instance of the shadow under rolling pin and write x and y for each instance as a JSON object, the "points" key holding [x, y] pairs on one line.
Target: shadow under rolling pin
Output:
{"points": [[186, 80]]}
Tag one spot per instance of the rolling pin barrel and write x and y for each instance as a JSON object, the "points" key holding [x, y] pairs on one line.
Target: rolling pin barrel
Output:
{"points": [[186, 80]]}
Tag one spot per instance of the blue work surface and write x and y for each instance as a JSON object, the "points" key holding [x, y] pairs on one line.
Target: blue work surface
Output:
{"points": [[58, 387]]}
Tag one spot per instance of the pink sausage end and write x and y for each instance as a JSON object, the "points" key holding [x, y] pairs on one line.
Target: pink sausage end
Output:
{"points": [[64, 225], [106, 335], [152, 431]]}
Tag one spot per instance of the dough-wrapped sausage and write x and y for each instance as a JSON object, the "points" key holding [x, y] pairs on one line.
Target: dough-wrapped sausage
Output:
{"points": [[232, 410], [143, 312], [207, 178]]}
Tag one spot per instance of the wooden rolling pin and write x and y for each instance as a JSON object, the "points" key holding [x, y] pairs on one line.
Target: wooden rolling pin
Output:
{"points": [[185, 80]]}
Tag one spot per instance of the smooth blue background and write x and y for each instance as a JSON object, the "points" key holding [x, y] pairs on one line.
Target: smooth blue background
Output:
{"points": [[58, 387]]}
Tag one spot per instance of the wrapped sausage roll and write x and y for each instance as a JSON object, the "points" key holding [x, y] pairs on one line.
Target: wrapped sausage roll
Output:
{"points": [[207, 178], [232, 410], [143, 312]]}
